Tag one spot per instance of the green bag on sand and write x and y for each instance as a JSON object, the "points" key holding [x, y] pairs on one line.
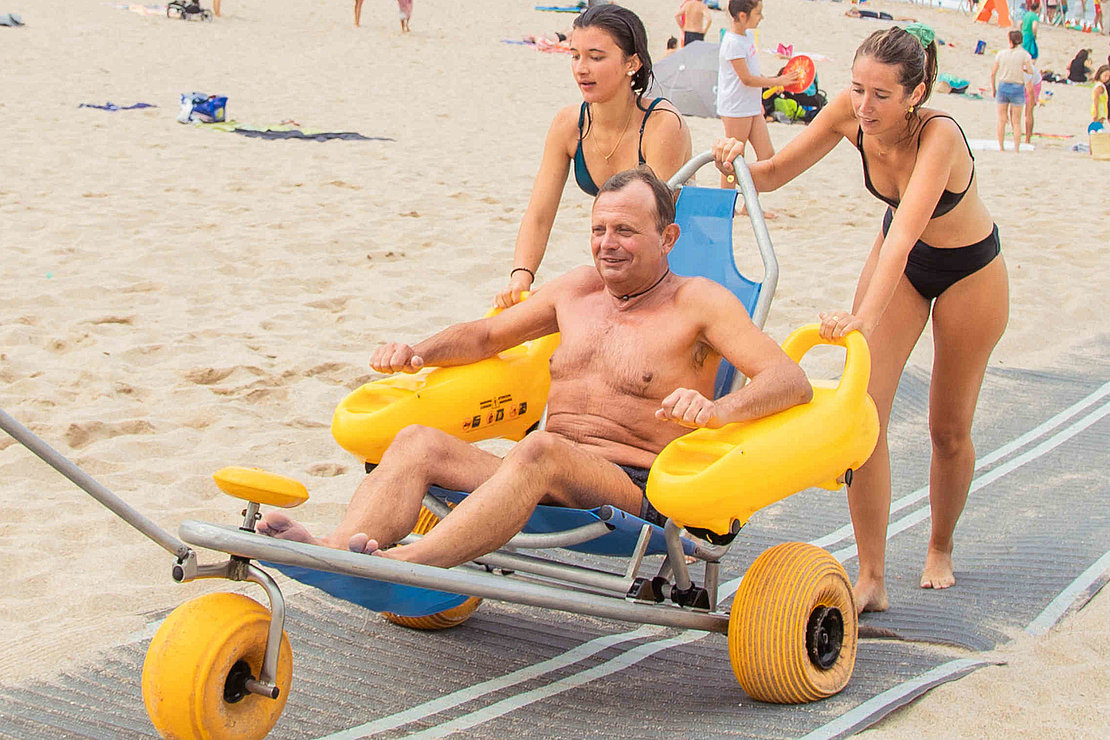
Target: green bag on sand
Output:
{"points": [[790, 109]]}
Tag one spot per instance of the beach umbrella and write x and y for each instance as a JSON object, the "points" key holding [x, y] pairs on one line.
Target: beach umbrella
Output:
{"points": [[688, 78]]}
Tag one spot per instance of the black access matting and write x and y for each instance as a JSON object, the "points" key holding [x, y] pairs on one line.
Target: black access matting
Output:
{"points": [[1022, 540]]}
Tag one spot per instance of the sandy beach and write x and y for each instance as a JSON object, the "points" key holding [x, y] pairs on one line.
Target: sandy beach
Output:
{"points": [[180, 299]]}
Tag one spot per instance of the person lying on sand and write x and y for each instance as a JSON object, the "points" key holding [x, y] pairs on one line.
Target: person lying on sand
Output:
{"points": [[634, 370], [876, 15]]}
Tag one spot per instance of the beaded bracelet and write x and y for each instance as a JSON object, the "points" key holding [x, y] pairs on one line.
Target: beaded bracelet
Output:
{"points": [[525, 269]]}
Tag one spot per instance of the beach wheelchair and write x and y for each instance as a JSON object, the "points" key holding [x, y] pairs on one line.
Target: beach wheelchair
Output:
{"points": [[187, 10], [220, 665]]}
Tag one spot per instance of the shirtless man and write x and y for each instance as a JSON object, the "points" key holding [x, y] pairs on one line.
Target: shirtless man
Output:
{"points": [[634, 370], [693, 19]]}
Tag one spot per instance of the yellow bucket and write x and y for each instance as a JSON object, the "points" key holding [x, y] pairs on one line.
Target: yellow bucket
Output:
{"points": [[1100, 145]]}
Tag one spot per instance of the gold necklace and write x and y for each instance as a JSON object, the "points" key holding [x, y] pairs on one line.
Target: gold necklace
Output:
{"points": [[619, 138]]}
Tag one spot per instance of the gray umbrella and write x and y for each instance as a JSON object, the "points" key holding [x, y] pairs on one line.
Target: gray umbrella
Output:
{"points": [[688, 78]]}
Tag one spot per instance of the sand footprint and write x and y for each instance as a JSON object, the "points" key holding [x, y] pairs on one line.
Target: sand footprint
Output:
{"points": [[82, 434]]}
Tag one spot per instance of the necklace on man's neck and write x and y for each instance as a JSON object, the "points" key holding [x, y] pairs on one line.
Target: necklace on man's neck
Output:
{"points": [[646, 290], [619, 138]]}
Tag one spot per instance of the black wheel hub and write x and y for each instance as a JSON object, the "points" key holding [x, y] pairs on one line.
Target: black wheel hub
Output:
{"points": [[824, 636], [235, 687]]}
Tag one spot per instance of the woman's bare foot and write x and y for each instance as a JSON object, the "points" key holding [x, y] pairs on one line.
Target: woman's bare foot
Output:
{"points": [[363, 544], [870, 596], [938, 570], [279, 526]]}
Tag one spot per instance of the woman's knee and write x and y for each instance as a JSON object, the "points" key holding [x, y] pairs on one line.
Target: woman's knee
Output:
{"points": [[950, 440]]}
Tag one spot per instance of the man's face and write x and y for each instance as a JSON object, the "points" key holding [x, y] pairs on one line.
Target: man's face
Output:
{"points": [[625, 239]]}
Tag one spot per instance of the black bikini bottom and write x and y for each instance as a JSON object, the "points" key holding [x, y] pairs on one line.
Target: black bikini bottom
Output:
{"points": [[931, 270], [639, 477]]}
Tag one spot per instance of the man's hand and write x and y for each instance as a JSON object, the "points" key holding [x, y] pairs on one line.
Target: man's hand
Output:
{"points": [[689, 408], [396, 358]]}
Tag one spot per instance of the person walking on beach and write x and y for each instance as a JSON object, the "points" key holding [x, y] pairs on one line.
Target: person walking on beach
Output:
{"points": [[694, 20], [739, 83], [1008, 88], [613, 129], [936, 255], [1030, 22], [404, 8]]}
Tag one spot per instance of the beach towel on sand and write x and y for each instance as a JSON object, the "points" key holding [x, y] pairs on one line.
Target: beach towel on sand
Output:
{"points": [[113, 107], [10, 19], [289, 131]]}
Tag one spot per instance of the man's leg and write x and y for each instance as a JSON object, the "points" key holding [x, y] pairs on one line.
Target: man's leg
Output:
{"points": [[543, 468], [387, 503]]}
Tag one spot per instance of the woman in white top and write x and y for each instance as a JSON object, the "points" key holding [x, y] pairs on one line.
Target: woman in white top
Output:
{"points": [[1008, 87], [739, 84]]}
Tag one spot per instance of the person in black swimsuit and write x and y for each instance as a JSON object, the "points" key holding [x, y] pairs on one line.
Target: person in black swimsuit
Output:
{"points": [[936, 255], [613, 129]]}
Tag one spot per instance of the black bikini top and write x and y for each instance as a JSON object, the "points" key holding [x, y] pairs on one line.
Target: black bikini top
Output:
{"points": [[948, 199], [582, 174]]}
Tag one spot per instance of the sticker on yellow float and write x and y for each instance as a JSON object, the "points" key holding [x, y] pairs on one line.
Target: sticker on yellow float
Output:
{"points": [[710, 478], [503, 396]]}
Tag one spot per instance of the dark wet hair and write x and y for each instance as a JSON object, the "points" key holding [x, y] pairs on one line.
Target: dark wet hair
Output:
{"points": [[628, 32], [1082, 55], [1033, 5], [672, 43], [898, 48], [736, 7], [1015, 38], [664, 198]]}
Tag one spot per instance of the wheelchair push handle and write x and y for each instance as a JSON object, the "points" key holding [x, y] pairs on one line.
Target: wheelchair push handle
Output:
{"points": [[857, 359]]}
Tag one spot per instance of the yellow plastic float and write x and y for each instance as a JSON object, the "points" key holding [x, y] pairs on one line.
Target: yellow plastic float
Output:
{"points": [[502, 396], [710, 478]]}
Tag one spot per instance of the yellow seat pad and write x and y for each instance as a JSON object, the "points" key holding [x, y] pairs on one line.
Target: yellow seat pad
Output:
{"points": [[252, 484]]}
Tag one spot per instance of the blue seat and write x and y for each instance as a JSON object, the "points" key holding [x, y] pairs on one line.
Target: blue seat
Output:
{"points": [[704, 249]]}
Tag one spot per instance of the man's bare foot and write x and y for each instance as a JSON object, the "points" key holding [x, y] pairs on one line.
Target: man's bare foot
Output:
{"points": [[363, 544], [279, 526], [870, 596], [938, 570]]}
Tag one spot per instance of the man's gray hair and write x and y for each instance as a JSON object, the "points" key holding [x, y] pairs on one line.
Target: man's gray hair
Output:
{"points": [[664, 199]]}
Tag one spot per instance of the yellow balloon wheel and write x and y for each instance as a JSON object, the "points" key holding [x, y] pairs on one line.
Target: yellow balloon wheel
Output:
{"points": [[793, 629], [452, 617], [196, 664]]}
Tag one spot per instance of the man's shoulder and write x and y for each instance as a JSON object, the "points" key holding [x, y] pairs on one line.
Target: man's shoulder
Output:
{"points": [[700, 292]]}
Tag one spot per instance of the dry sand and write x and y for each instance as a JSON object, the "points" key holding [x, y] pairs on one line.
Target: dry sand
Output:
{"points": [[179, 299]]}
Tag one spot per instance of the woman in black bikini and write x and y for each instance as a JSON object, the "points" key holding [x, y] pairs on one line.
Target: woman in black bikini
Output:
{"points": [[614, 129], [937, 252]]}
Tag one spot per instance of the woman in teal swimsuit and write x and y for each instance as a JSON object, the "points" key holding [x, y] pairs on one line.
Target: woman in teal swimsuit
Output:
{"points": [[614, 129], [935, 256]]}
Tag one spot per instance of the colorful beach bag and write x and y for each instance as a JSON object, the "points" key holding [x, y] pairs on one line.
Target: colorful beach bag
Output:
{"points": [[197, 106]]}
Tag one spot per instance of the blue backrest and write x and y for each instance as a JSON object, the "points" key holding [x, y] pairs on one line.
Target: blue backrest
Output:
{"points": [[704, 249]]}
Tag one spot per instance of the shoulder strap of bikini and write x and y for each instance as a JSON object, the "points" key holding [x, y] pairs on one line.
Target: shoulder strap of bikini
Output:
{"points": [[953, 120], [581, 119], [643, 123]]}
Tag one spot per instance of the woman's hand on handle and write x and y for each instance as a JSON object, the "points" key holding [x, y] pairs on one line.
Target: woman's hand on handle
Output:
{"points": [[519, 282], [838, 324], [396, 358], [688, 408], [725, 150]]}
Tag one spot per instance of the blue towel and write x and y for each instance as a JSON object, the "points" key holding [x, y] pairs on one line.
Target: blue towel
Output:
{"points": [[10, 19], [113, 107]]}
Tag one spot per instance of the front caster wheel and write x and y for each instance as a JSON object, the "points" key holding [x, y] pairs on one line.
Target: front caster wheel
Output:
{"points": [[197, 665], [452, 617], [793, 629]]}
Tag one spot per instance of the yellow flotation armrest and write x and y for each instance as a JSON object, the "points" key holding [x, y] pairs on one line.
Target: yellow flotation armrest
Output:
{"points": [[252, 484], [710, 478], [503, 396]]}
